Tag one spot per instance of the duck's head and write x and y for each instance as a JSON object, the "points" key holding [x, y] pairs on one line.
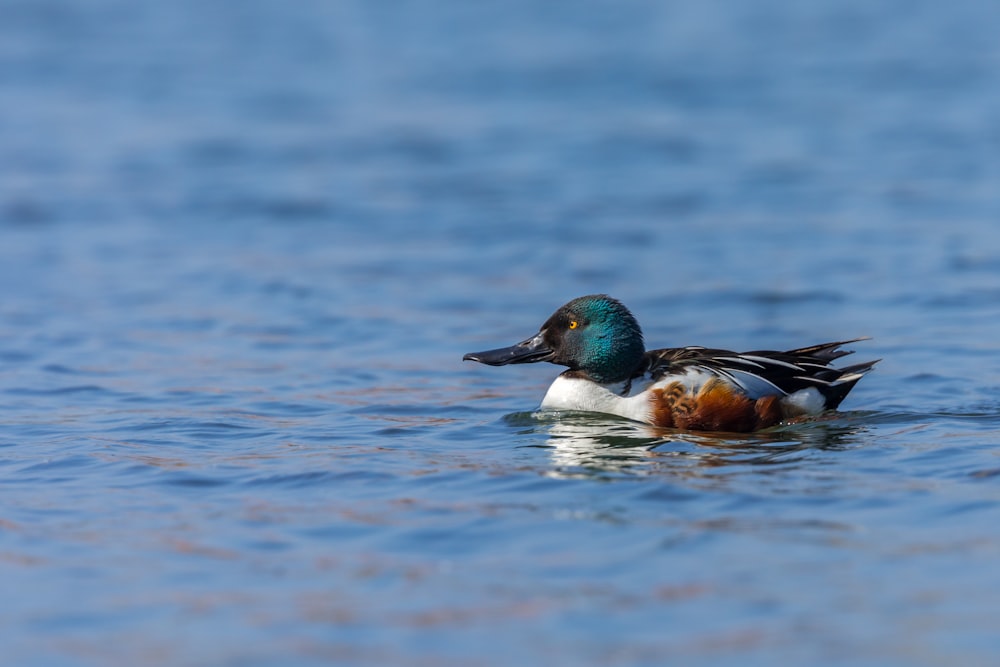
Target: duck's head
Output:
{"points": [[593, 334]]}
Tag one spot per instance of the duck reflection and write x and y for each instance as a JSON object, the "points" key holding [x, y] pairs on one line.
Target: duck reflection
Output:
{"points": [[588, 445]]}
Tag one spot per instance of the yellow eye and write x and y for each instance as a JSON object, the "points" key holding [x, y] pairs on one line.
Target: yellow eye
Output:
{"points": [[573, 324]]}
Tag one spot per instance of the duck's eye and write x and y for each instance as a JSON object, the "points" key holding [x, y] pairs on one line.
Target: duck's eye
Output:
{"points": [[573, 324]]}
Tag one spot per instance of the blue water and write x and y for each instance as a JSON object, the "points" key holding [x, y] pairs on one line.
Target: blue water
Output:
{"points": [[244, 245]]}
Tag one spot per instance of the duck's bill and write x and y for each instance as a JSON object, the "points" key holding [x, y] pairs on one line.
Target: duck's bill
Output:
{"points": [[525, 352]]}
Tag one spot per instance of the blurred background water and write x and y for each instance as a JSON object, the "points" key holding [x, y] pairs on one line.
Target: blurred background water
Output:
{"points": [[243, 246]]}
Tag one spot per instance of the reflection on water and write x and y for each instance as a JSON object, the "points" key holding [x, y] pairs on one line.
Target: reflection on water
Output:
{"points": [[590, 445]]}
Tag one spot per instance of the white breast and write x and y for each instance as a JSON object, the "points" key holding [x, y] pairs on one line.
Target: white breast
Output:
{"points": [[570, 393]]}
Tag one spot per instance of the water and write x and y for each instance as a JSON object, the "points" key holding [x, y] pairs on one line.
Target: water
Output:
{"points": [[245, 245]]}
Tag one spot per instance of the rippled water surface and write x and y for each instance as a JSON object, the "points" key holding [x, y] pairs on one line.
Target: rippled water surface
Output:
{"points": [[243, 247]]}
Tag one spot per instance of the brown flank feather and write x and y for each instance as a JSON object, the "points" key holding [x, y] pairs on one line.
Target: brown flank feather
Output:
{"points": [[717, 407]]}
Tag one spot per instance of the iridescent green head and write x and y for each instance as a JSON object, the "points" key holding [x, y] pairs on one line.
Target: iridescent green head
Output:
{"points": [[595, 335]]}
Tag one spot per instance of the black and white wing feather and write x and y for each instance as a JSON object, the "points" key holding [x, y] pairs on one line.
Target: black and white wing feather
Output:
{"points": [[767, 372]]}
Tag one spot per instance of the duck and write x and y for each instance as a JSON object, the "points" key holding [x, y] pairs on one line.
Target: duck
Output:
{"points": [[692, 388]]}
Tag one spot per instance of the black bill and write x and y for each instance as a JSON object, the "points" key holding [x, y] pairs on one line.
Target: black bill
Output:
{"points": [[525, 352]]}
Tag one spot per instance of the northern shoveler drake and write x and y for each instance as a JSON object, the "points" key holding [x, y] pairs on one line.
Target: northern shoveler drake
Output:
{"points": [[692, 388]]}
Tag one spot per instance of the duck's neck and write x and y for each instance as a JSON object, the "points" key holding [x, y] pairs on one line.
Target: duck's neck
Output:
{"points": [[617, 369]]}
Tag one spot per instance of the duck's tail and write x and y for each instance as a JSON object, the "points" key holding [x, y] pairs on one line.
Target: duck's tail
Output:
{"points": [[834, 383]]}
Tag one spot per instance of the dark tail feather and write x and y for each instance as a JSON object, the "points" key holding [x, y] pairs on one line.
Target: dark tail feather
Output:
{"points": [[827, 351], [838, 389]]}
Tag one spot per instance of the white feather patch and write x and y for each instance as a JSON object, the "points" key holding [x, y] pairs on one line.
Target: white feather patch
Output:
{"points": [[569, 393], [804, 402]]}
